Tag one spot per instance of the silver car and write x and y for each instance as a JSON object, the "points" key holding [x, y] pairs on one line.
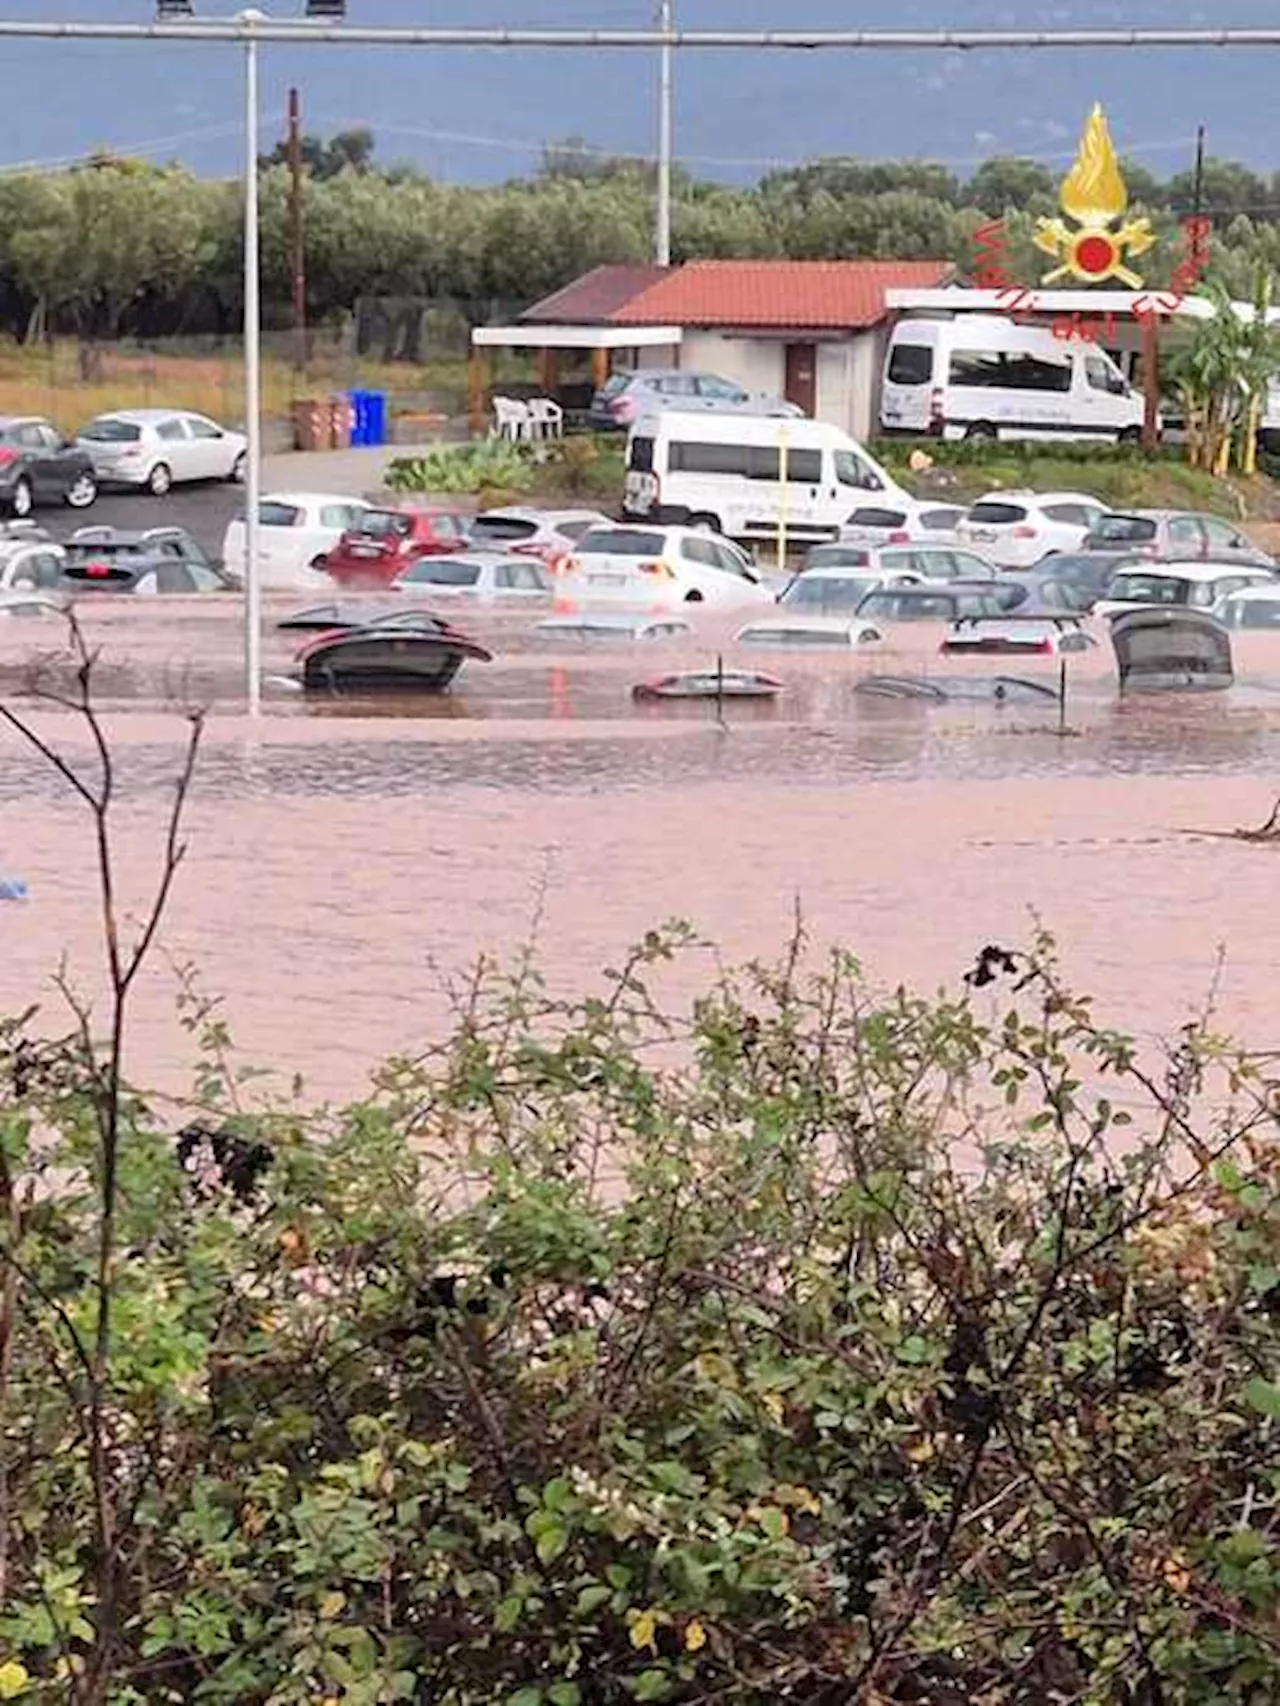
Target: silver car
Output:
{"points": [[628, 397], [159, 448], [1175, 535], [478, 577]]}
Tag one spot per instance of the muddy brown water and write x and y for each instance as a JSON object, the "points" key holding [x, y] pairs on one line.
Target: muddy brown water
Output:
{"points": [[348, 862]]}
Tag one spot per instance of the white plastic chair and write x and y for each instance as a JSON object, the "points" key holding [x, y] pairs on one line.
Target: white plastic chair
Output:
{"points": [[546, 418], [510, 419]]}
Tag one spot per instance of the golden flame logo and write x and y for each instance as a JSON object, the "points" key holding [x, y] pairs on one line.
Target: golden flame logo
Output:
{"points": [[1094, 198]]}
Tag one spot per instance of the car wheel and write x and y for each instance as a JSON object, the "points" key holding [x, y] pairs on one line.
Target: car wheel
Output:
{"points": [[694, 597], [82, 492], [21, 501], [321, 562], [705, 523], [1131, 435], [238, 468], [159, 480], [981, 429]]}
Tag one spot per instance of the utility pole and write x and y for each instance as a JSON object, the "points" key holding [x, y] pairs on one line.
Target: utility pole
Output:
{"points": [[662, 236], [297, 247]]}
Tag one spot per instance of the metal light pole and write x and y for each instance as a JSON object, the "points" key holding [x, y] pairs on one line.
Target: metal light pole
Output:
{"points": [[662, 243], [252, 376]]}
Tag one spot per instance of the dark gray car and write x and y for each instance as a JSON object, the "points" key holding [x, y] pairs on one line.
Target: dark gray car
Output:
{"points": [[628, 397], [1175, 535]]}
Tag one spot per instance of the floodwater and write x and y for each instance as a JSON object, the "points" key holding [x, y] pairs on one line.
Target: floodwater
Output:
{"points": [[348, 862]]}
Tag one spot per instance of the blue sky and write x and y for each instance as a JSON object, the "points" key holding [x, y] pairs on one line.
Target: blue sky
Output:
{"points": [[482, 115]]}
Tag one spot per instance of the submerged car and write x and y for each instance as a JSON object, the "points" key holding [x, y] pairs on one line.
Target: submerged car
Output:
{"points": [[659, 568], [521, 530], [1015, 635], [1171, 650], [808, 631], [1192, 586], [478, 577], [609, 626], [937, 603], [1251, 607], [414, 652], [296, 532], [381, 544], [1175, 535]]}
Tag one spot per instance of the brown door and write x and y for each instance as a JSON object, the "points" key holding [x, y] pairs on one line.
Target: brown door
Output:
{"points": [[802, 376]]}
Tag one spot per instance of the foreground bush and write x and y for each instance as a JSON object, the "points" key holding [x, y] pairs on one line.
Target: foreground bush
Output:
{"points": [[815, 1346]]}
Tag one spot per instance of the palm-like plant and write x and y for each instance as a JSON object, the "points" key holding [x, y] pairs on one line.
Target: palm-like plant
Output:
{"points": [[1223, 376]]}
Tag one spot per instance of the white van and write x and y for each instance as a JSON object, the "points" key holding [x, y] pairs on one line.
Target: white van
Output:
{"points": [[981, 376], [725, 472]]}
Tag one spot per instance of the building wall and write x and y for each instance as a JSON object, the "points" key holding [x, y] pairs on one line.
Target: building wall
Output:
{"points": [[758, 364]]}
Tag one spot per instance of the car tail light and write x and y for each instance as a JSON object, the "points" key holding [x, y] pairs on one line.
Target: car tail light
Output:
{"points": [[7, 455], [133, 451], [659, 569], [97, 571], [900, 537], [1024, 532], [558, 563]]}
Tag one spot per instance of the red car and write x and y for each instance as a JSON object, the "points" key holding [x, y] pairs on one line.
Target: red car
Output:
{"points": [[384, 542]]}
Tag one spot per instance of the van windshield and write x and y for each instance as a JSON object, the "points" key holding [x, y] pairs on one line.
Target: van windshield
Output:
{"points": [[640, 456], [911, 364], [851, 470]]}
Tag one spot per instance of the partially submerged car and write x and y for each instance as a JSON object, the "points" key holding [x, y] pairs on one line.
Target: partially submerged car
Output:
{"points": [[1161, 651], [808, 631], [1014, 635]]}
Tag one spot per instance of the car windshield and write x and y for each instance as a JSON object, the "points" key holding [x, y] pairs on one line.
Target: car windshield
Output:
{"points": [[1123, 529], [503, 527], [108, 431], [998, 514], [382, 523], [1157, 589], [440, 571], [620, 542], [827, 593]]}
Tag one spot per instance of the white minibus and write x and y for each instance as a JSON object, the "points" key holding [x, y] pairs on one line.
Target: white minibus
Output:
{"points": [[726, 472], [981, 376]]}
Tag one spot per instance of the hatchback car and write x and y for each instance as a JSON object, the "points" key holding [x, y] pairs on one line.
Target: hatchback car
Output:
{"points": [[924, 520], [834, 592], [297, 530], [627, 397], [522, 530], [656, 568], [1075, 580], [1251, 607], [160, 448], [160, 542], [381, 544], [141, 576], [1194, 586], [1016, 529], [932, 603], [1172, 535], [478, 577], [39, 466]]}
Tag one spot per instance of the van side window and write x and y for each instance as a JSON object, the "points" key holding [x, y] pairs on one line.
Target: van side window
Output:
{"points": [[998, 368], [911, 364], [748, 461]]}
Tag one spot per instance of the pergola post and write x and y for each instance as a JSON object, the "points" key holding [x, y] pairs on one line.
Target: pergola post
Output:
{"points": [[548, 371], [599, 368], [479, 380]]}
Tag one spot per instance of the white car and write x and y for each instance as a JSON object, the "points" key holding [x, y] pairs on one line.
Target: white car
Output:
{"points": [[1177, 586], [658, 568], [159, 448], [836, 591], [1251, 607], [921, 520], [807, 631], [1016, 529], [296, 532], [1017, 636], [478, 577], [30, 560], [522, 529]]}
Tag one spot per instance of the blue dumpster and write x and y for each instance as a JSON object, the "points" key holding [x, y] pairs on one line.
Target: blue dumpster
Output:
{"points": [[369, 417]]}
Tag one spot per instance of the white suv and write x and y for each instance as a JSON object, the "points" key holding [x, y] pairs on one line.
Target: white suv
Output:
{"points": [[657, 568], [1016, 529]]}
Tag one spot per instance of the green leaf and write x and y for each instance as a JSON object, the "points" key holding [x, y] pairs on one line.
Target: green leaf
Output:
{"points": [[564, 1694], [592, 1598], [913, 1349], [1264, 1396], [774, 1523], [508, 1614], [557, 1495], [525, 1697], [651, 1685], [551, 1543]]}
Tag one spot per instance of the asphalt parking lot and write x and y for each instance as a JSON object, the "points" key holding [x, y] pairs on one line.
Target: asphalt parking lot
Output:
{"points": [[205, 509]]}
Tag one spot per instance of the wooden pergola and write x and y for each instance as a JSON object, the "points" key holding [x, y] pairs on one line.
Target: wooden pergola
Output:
{"points": [[550, 341]]}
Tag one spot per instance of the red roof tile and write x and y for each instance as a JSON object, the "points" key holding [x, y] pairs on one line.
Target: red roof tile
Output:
{"points": [[779, 295], [595, 298]]}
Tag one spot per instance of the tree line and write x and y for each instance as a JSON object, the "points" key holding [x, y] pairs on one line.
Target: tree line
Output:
{"points": [[121, 247]]}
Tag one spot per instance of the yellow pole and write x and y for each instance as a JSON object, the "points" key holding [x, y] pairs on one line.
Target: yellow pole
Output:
{"points": [[782, 500], [1249, 463]]}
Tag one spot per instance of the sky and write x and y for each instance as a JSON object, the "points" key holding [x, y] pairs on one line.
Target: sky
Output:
{"points": [[483, 115]]}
